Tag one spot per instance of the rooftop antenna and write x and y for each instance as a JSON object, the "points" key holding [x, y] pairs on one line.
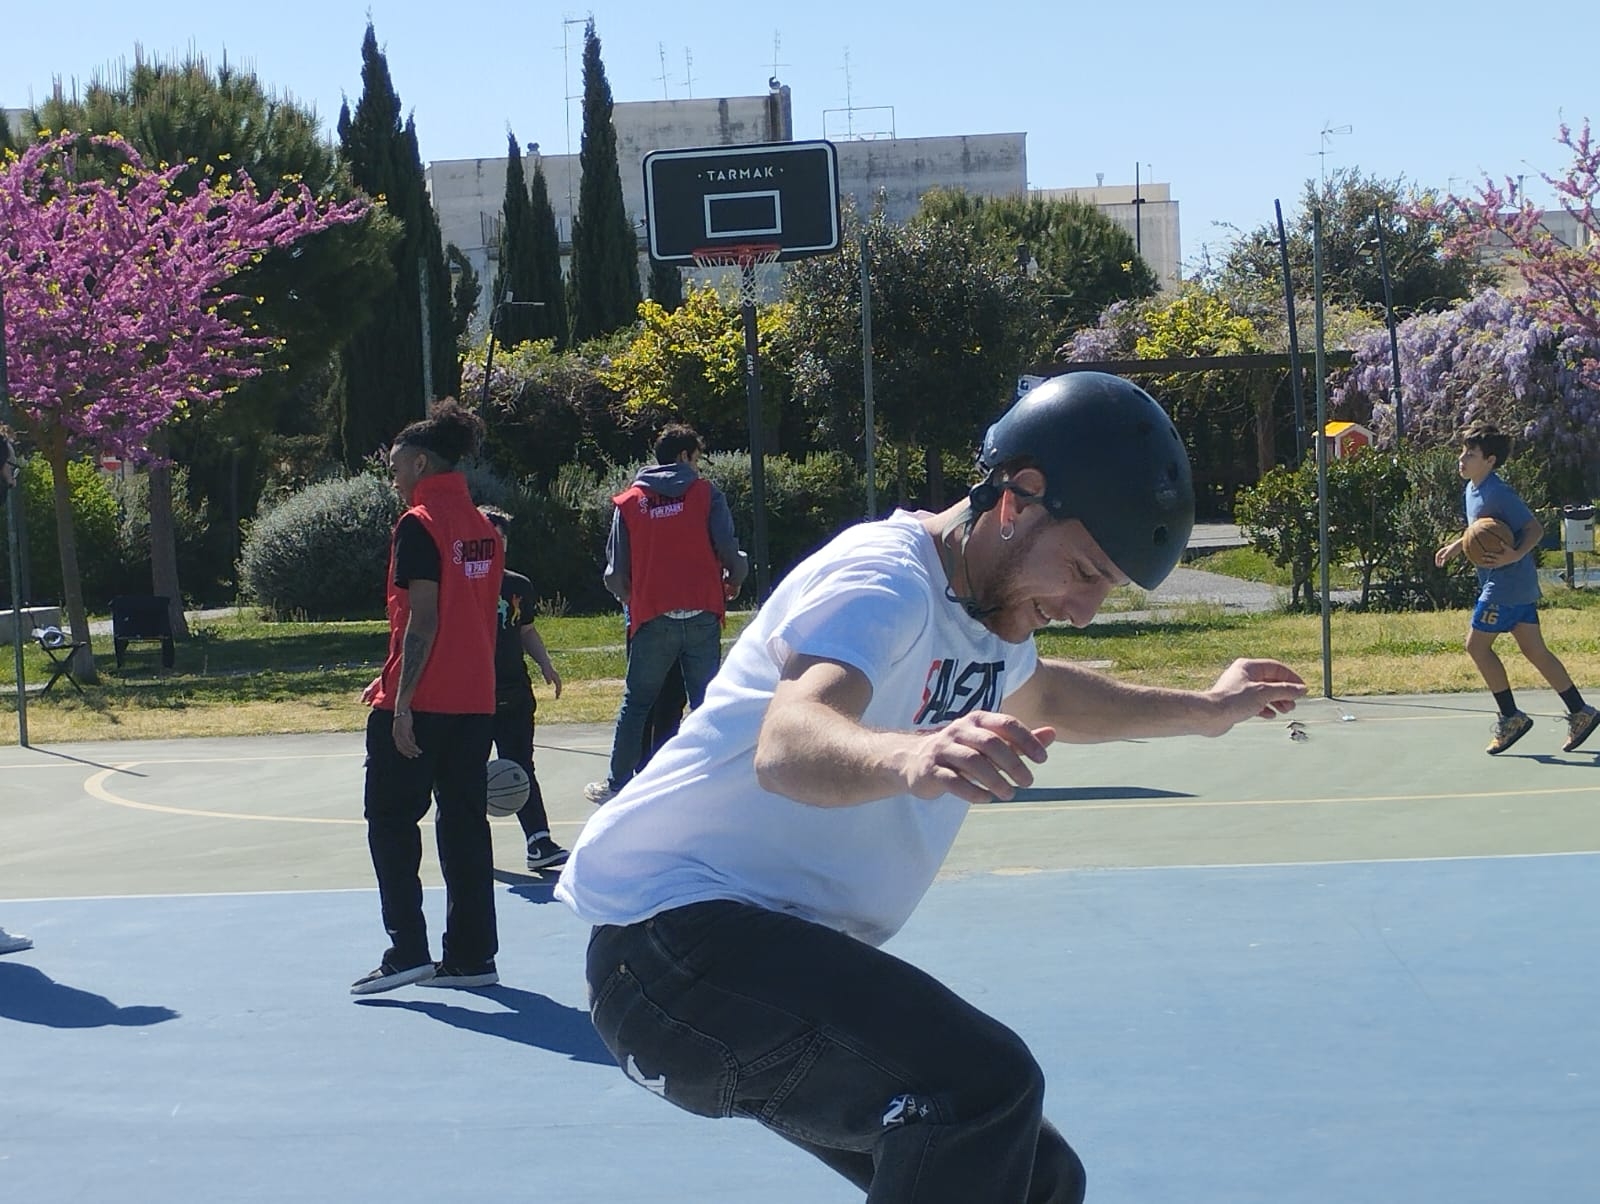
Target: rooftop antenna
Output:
{"points": [[566, 86], [661, 53], [1328, 131], [777, 46], [688, 71], [849, 103]]}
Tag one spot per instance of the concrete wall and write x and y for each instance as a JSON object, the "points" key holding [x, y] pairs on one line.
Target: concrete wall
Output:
{"points": [[900, 170], [1148, 214]]}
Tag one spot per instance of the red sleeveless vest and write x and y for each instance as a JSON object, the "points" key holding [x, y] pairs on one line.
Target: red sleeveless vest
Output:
{"points": [[672, 563], [459, 676]]}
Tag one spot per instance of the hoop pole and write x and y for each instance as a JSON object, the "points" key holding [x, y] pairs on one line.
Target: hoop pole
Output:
{"points": [[13, 522], [758, 470], [866, 378]]}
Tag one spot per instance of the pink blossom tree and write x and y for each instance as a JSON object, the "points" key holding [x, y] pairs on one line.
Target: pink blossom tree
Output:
{"points": [[1563, 281], [118, 311]]}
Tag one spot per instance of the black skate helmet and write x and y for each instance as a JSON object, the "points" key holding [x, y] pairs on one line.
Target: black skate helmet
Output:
{"points": [[1111, 458]]}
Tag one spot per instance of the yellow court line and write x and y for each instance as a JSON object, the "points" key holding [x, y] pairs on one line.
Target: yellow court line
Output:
{"points": [[95, 787], [1174, 804]]}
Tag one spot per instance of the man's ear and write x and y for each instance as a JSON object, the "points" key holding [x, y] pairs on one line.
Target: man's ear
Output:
{"points": [[1026, 486]]}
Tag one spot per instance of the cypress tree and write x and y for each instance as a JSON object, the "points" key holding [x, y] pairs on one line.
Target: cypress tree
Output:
{"points": [[551, 321], [518, 276], [464, 297], [605, 251], [666, 285], [383, 361]]}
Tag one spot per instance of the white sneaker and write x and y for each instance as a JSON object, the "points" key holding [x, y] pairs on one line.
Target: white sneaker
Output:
{"points": [[14, 942], [598, 792]]}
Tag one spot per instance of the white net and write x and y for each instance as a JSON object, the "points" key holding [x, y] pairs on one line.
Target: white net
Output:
{"points": [[741, 265]]}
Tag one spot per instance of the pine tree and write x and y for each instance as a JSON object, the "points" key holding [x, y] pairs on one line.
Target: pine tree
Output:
{"points": [[605, 251], [551, 321], [518, 277], [383, 361]]}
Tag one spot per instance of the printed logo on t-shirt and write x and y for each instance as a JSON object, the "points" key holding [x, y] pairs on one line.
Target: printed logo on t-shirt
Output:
{"points": [[952, 689], [475, 556]]}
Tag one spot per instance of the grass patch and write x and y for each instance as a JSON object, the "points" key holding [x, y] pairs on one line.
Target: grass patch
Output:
{"points": [[243, 676], [1249, 564]]}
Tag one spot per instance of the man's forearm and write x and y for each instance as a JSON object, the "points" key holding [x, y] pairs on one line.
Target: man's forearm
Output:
{"points": [[1086, 707], [813, 754], [415, 647]]}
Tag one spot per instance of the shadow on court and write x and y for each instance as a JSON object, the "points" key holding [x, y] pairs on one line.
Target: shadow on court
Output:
{"points": [[1357, 966], [532, 1019], [29, 996]]}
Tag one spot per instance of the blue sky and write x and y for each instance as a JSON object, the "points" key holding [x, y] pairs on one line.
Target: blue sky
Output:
{"points": [[1226, 101]]}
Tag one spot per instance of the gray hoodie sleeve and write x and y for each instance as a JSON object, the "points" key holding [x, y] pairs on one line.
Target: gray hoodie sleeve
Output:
{"points": [[725, 542], [619, 560]]}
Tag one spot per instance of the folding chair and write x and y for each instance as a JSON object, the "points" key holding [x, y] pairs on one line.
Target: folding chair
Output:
{"points": [[137, 618], [59, 647]]}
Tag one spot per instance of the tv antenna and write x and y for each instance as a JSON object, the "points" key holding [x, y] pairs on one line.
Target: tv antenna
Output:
{"points": [[688, 71], [1329, 131], [661, 53], [566, 86], [777, 46]]}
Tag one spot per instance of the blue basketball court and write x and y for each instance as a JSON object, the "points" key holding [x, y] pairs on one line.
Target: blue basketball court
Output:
{"points": [[1359, 966]]}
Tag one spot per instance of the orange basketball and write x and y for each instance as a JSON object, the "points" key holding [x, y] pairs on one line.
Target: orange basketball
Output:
{"points": [[1485, 537]]}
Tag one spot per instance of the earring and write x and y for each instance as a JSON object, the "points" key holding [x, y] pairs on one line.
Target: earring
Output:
{"points": [[1007, 530]]}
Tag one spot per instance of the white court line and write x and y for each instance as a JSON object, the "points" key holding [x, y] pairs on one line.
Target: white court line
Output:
{"points": [[95, 787], [1027, 806], [1073, 869]]}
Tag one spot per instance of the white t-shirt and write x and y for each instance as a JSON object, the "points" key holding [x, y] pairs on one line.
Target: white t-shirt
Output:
{"points": [[695, 826]]}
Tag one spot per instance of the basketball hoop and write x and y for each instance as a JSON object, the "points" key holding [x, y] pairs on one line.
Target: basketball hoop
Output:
{"points": [[744, 256]]}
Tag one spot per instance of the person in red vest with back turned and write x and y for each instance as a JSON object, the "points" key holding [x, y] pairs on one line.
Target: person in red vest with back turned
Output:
{"points": [[673, 560], [433, 711]]}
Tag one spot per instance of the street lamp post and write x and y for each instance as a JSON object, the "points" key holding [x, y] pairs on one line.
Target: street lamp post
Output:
{"points": [[488, 361]]}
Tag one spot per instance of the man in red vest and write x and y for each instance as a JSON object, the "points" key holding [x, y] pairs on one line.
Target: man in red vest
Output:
{"points": [[674, 562], [433, 711]]}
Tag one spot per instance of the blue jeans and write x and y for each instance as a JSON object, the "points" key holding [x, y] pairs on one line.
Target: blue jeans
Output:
{"points": [[695, 644], [860, 1059]]}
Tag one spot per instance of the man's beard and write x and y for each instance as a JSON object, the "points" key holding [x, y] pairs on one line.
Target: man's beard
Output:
{"points": [[999, 593]]}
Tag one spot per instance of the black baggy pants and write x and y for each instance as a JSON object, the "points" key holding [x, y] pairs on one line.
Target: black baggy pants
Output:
{"points": [[513, 740], [866, 1062], [399, 791]]}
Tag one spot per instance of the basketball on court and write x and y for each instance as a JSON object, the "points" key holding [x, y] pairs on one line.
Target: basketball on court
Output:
{"points": [[1486, 537], [508, 787]]}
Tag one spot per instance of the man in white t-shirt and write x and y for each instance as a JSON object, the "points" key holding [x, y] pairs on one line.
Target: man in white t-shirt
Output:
{"points": [[741, 884]]}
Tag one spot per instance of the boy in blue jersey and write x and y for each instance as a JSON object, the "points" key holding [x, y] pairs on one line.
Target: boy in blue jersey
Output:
{"points": [[1509, 594]]}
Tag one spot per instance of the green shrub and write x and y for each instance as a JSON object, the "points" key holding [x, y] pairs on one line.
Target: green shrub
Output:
{"points": [[1388, 514], [323, 552], [202, 571], [95, 520]]}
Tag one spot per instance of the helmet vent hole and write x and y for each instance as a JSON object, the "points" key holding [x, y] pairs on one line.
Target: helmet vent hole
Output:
{"points": [[1160, 536]]}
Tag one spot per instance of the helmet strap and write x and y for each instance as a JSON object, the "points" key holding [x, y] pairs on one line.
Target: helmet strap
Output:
{"points": [[966, 519]]}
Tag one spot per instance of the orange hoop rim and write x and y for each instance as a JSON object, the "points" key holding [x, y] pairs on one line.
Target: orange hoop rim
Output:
{"points": [[737, 255]]}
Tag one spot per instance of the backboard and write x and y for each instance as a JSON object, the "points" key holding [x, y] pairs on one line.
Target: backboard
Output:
{"points": [[768, 194]]}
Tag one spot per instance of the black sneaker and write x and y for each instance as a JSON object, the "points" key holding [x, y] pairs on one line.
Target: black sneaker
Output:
{"points": [[482, 975], [387, 978], [545, 854]]}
